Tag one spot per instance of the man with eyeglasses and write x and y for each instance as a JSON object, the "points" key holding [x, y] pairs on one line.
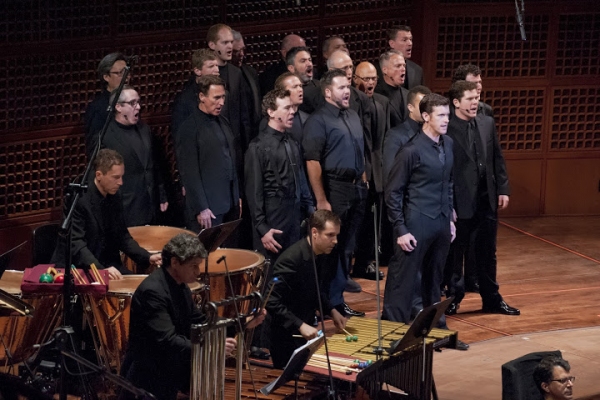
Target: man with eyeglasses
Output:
{"points": [[552, 376], [393, 68], [110, 71], [143, 190]]}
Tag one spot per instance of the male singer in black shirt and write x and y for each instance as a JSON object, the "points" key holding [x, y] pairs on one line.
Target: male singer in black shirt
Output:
{"points": [[481, 189], [334, 151], [276, 187], [419, 200]]}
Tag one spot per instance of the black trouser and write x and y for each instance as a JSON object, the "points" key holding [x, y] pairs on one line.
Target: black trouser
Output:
{"points": [[428, 257], [365, 241], [480, 232], [347, 201]]}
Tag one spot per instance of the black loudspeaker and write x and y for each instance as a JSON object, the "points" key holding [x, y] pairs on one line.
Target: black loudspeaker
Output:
{"points": [[517, 376]]}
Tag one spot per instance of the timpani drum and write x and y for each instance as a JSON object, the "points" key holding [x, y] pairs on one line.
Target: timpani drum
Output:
{"points": [[246, 270], [20, 333], [111, 314], [151, 238]]}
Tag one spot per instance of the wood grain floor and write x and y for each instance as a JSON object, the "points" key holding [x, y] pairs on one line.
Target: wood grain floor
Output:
{"points": [[549, 268]]}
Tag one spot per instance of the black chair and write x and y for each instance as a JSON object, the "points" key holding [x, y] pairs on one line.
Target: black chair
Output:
{"points": [[44, 242], [517, 376]]}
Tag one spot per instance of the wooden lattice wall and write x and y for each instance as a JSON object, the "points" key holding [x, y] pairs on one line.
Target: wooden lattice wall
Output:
{"points": [[545, 91]]}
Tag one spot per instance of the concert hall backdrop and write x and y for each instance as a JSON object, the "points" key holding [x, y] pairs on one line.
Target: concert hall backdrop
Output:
{"points": [[545, 91]]}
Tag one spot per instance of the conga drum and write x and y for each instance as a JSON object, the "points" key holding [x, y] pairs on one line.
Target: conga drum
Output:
{"points": [[246, 271], [111, 314], [151, 238], [20, 333]]}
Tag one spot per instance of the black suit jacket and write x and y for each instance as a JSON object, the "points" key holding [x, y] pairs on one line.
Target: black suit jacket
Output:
{"points": [[158, 357], [380, 124], [395, 139], [200, 162], [466, 176], [251, 79], [268, 77], [142, 188], [414, 75], [99, 233], [184, 104], [398, 105], [485, 109], [238, 108]]}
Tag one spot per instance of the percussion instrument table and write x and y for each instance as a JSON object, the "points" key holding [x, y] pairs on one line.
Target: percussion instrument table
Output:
{"points": [[403, 370]]}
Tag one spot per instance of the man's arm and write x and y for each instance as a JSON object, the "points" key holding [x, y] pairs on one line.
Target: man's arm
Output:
{"points": [[80, 252], [285, 270], [316, 182]]}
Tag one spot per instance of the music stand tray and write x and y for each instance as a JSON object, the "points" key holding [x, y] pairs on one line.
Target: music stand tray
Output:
{"points": [[214, 237], [295, 365], [425, 321]]}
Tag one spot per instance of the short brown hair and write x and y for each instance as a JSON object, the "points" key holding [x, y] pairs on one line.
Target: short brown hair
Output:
{"points": [[281, 78], [105, 160], [328, 76], [269, 102], [458, 89], [393, 31], [213, 32], [206, 81], [199, 57], [461, 72], [321, 217], [431, 100]]}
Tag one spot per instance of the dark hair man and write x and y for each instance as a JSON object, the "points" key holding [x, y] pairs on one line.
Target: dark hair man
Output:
{"points": [[276, 188], [419, 200], [110, 71], [99, 232], [400, 38], [204, 62], [158, 357], [299, 61], [238, 103], [294, 298], [481, 188], [267, 78], [206, 158], [333, 143], [292, 83], [393, 68], [472, 73], [553, 378]]}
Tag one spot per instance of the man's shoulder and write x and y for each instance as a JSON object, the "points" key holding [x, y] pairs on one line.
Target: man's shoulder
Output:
{"points": [[414, 65], [379, 98]]}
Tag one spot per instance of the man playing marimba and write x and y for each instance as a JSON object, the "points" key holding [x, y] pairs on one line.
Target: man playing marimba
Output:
{"points": [[294, 298]]}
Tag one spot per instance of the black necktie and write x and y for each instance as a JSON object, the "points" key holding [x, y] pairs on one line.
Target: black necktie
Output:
{"points": [[357, 155], [293, 165]]}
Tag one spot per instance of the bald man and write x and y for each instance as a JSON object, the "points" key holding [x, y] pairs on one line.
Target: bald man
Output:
{"points": [[365, 79], [266, 79]]}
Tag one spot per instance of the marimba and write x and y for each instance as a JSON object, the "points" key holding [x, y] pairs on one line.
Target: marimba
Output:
{"points": [[403, 370]]}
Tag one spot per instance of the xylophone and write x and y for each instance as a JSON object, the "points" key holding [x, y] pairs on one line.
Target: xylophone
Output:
{"points": [[402, 370], [309, 385]]}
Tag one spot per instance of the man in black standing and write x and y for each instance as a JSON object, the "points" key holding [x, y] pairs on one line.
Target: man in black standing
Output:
{"points": [[333, 145], [481, 189], [267, 78], [290, 82], [420, 206], [143, 187], [206, 159], [251, 79], [276, 187], [472, 73], [401, 39], [110, 72], [393, 68]]}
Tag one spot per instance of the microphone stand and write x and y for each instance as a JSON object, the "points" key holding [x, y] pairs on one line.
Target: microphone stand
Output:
{"points": [[65, 232], [378, 350]]}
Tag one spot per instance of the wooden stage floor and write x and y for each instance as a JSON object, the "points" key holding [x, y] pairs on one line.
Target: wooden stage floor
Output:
{"points": [[549, 268]]}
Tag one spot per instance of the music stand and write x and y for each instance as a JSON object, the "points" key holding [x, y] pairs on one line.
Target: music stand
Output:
{"points": [[213, 237], [425, 321], [7, 257], [295, 365]]}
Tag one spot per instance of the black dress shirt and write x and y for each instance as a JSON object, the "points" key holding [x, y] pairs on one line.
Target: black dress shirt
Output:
{"points": [[420, 181], [334, 137]]}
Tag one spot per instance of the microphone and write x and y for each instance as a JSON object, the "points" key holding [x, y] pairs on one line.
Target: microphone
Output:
{"points": [[520, 18], [221, 259], [219, 51], [279, 119]]}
